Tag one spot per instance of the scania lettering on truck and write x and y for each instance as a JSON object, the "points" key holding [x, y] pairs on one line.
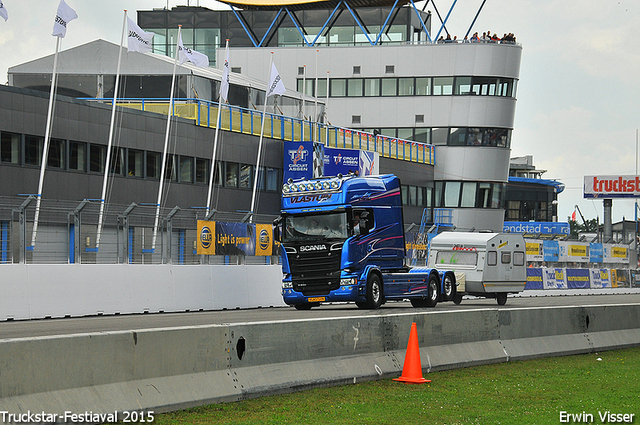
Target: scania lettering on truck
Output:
{"points": [[342, 239]]}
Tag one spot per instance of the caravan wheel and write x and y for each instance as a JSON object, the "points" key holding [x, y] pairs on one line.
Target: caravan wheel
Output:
{"points": [[501, 297]]}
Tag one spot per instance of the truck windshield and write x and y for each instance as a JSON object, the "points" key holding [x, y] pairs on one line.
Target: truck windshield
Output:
{"points": [[315, 227]]}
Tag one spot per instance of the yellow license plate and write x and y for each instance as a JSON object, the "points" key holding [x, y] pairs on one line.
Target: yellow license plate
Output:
{"points": [[316, 299]]}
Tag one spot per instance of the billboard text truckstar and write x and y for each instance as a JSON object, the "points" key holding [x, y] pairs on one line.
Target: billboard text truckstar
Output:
{"points": [[611, 186]]}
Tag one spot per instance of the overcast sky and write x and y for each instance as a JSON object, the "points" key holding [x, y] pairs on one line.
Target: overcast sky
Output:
{"points": [[577, 108]]}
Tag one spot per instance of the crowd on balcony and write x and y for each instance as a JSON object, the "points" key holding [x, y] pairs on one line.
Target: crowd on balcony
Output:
{"points": [[485, 38]]}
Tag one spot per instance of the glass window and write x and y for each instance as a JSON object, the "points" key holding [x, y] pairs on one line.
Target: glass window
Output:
{"points": [[289, 37], [458, 258], [405, 86], [505, 258], [135, 163], [423, 86], [451, 194], [56, 155], [322, 87], [272, 179], [484, 195], [458, 137], [153, 165], [406, 134], [518, 258], [202, 170], [492, 258], [389, 87], [117, 161], [10, 148], [218, 174], [171, 168], [422, 135], [496, 195], [413, 195], [355, 87], [442, 86], [231, 174], [78, 156], [372, 87], [439, 136], [338, 87], [463, 86], [186, 169], [405, 194], [438, 194], [245, 176], [420, 199], [474, 136], [342, 35], [468, 195], [33, 150], [97, 158]]}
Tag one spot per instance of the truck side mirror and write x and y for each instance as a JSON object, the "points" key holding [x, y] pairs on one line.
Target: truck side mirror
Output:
{"points": [[276, 229]]}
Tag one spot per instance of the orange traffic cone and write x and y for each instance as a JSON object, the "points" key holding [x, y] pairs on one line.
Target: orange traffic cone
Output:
{"points": [[412, 369]]}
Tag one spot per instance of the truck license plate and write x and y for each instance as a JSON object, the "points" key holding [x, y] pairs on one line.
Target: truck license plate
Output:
{"points": [[316, 299]]}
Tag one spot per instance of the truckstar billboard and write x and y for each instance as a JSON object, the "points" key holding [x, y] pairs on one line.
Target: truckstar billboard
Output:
{"points": [[612, 186]]}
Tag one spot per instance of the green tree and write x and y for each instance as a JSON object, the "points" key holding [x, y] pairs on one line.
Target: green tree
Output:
{"points": [[590, 226]]}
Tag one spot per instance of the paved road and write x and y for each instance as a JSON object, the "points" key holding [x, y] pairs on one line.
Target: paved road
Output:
{"points": [[527, 299]]}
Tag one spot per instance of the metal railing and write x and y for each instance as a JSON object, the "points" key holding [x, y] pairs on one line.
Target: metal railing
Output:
{"points": [[67, 234], [249, 121]]}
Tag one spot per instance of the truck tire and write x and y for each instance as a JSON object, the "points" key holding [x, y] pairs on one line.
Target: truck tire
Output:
{"points": [[457, 299], [448, 287], [501, 297], [432, 291], [374, 291], [419, 302], [305, 306]]}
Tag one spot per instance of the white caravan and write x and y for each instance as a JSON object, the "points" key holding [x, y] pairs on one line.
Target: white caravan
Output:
{"points": [[486, 264]]}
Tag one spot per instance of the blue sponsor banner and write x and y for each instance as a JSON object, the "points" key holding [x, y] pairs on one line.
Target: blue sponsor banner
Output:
{"points": [[298, 160], [596, 252], [536, 228], [550, 251], [235, 239], [578, 278], [341, 161], [534, 278]]}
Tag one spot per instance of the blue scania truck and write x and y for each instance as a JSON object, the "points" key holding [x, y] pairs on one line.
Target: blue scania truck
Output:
{"points": [[342, 239]]}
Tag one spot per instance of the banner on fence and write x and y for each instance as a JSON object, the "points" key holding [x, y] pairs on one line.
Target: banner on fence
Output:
{"points": [[551, 251], [534, 250], [596, 252], [298, 160], [616, 254], [218, 238], [577, 278], [600, 278], [554, 278], [534, 278], [574, 252]]}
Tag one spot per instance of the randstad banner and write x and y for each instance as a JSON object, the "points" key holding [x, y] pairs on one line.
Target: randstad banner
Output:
{"points": [[218, 238], [536, 228]]}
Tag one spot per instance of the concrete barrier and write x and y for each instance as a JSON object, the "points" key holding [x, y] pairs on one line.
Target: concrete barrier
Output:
{"points": [[38, 291], [174, 368]]}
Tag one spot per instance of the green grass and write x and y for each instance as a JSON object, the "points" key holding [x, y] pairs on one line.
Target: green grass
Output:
{"points": [[525, 392]]}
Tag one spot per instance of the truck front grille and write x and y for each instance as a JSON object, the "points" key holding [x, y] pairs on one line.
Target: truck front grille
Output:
{"points": [[315, 273]]}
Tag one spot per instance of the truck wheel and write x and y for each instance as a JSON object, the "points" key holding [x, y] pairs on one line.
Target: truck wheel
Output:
{"points": [[457, 299], [501, 297], [419, 302], [374, 291], [448, 287], [432, 292], [305, 306]]}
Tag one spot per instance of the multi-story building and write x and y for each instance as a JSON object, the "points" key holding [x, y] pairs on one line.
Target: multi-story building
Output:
{"points": [[385, 75]]}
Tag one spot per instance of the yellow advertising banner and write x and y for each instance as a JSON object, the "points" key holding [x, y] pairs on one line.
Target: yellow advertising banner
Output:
{"points": [[264, 239], [619, 252], [206, 238], [578, 250], [534, 248]]}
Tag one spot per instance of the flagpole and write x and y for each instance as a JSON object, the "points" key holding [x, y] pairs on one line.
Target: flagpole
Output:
{"points": [[166, 143], [264, 116], [326, 111], [215, 141], [45, 150], [304, 92], [110, 143], [315, 108]]}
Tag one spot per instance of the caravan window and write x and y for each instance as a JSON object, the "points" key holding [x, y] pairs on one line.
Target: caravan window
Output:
{"points": [[492, 258], [459, 258], [518, 258], [506, 258]]}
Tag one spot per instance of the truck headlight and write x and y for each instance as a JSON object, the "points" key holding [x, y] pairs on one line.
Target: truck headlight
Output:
{"points": [[349, 281], [287, 285]]}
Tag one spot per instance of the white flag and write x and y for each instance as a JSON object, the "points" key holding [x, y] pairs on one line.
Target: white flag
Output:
{"points": [[63, 17], [196, 58], [276, 86], [138, 39], [224, 84], [3, 11]]}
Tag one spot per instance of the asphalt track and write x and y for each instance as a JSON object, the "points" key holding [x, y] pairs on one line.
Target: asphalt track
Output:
{"points": [[93, 324]]}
